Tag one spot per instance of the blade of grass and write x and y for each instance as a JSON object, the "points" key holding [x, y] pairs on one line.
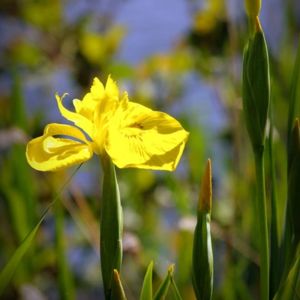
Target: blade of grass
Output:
{"points": [[288, 290], [22, 175], [146, 292], [9, 269], [11, 266], [291, 234], [176, 293], [293, 105], [163, 289]]}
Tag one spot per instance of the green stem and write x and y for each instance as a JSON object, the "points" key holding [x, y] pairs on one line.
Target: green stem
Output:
{"points": [[262, 224], [111, 226]]}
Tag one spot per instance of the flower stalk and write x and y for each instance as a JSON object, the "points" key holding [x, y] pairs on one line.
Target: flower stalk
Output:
{"points": [[256, 99], [111, 226], [261, 208]]}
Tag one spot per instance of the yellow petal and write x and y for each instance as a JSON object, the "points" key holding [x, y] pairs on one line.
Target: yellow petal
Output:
{"points": [[78, 119], [111, 89], [97, 89], [90, 101], [95, 109], [50, 153], [142, 138], [167, 161]]}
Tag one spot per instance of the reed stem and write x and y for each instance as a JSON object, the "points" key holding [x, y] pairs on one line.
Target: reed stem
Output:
{"points": [[261, 208]]}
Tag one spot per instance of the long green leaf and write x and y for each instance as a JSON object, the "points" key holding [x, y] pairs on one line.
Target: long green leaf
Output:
{"points": [[10, 268], [176, 293], [163, 289], [288, 289], [146, 292], [293, 105]]}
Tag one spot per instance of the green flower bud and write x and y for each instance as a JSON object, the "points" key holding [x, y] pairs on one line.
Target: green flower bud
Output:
{"points": [[252, 8], [205, 195], [202, 272], [256, 87]]}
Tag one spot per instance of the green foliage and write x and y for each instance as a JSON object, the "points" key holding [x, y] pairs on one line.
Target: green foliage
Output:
{"points": [[146, 291], [162, 290], [289, 289], [8, 271]]}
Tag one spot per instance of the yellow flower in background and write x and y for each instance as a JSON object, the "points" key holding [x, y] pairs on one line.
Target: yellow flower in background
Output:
{"points": [[105, 122]]}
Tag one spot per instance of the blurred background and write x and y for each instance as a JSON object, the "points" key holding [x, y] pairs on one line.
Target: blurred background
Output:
{"points": [[179, 56]]}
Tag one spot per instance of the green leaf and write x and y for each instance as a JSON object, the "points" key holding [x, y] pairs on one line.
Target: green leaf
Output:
{"points": [[291, 234], [146, 292], [10, 268], [288, 290], [163, 289], [111, 226], [293, 105], [176, 293]]}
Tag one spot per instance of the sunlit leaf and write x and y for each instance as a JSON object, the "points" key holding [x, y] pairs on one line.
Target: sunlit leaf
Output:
{"points": [[288, 289], [146, 292], [11, 266]]}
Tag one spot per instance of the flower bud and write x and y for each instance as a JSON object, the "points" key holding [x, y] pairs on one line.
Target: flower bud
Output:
{"points": [[256, 87], [205, 194], [202, 266], [252, 8]]}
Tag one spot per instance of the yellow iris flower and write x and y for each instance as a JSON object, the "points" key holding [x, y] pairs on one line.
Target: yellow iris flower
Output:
{"points": [[131, 134]]}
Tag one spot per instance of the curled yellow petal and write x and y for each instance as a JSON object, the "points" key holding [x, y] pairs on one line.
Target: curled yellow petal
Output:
{"points": [[51, 153], [142, 138], [78, 119]]}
